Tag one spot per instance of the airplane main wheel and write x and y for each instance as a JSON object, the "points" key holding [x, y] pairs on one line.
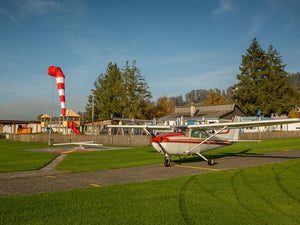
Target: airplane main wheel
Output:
{"points": [[167, 162], [210, 161]]}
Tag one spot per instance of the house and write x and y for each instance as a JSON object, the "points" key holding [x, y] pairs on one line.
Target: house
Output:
{"points": [[19, 127], [202, 114]]}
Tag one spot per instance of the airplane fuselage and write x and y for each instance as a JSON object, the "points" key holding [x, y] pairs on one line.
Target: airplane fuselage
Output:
{"points": [[179, 144]]}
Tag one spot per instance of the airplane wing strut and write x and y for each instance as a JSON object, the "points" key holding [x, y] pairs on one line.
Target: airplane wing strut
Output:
{"points": [[210, 161]]}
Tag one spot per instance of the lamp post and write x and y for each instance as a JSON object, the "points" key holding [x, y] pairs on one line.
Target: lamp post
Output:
{"points": [[235, 92], [93, 99]]}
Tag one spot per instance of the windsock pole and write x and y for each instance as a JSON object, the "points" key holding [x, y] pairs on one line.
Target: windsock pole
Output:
{"points": [[60, 80], [51, 114]]}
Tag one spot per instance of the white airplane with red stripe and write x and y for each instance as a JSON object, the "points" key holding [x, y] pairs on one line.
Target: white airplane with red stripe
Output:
{"points": [[195, 139]]}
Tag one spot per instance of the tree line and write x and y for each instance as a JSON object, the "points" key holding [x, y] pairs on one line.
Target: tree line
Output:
{"points": [[124, 93], [262, 84]]}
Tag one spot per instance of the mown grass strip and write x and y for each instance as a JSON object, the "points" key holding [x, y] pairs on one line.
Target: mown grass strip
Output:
{"points": [[266, 194], [14, 159]]}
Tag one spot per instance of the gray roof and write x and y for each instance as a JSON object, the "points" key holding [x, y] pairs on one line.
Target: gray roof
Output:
{"points": [[207, 111]]}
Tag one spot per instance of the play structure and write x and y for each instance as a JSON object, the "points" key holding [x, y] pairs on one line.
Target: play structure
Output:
{"points": [[73, 128], [70, 121]]}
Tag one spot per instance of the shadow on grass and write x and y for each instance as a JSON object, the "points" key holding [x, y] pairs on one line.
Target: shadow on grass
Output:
{"points": [[241, 153], [197, 158]]}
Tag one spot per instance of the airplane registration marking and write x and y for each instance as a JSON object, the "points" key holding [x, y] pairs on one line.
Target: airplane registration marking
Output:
{"points": [[199, 168], [50, 176], [95, 185]]}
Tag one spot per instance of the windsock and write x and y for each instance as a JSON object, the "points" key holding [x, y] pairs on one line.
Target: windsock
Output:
{"points": [[60, 80]]}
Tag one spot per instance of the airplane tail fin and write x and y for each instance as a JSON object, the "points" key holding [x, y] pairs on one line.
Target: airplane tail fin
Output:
{"points": [[230, 134]]}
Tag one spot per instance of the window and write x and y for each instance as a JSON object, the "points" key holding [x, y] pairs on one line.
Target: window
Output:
{"points": [[199, 134]]}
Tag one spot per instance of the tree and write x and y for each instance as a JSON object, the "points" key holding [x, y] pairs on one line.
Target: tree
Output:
{"points": [[252, 68], [264, 83], [278, 95], [120, 94], [108, 94], [135, 92], [294, 114], [215, 97], [295, 80], [164, 106]]}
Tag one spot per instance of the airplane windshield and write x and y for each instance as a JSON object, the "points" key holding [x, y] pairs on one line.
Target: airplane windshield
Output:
{"points": [[182, 130], [199, 134]]}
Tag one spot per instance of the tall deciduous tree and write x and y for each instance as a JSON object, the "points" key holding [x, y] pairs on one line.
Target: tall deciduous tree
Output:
{"points": [[164, 106], [215, 97]]}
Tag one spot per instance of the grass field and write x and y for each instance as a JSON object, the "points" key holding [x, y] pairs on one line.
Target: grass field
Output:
{"points": [[14, 159], [102, 160], [266, 194]]}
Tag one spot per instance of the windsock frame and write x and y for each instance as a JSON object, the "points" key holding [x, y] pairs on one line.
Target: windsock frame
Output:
{"points": [[60, 80]]}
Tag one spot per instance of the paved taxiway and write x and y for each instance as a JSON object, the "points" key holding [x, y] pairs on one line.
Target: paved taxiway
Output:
{"points": [[48, 179]]}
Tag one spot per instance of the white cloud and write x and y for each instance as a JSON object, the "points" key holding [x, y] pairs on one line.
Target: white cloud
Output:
{"points": [[224, 6]]}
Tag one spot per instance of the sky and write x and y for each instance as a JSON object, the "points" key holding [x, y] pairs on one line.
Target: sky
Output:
{"points": [[178, 45]]}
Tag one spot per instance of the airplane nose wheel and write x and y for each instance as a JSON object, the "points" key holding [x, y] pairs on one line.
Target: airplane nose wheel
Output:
{"points": [[167, 162]]}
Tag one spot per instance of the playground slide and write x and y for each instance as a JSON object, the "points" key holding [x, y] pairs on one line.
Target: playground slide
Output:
{"points": [[73, 128]]}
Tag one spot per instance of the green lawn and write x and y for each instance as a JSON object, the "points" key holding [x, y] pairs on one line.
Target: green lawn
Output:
{"points": [[266, 194], [103, 160], [110, 159], [14, 159]]}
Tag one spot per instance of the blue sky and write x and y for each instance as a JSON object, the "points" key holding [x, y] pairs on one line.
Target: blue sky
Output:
{"points": [[178, 45]]}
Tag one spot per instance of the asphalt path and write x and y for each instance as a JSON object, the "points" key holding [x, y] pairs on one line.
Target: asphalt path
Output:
{"points": [[48, 179]]}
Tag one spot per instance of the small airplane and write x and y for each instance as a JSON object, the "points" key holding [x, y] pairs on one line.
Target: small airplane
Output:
{"points": [[195, 139]]}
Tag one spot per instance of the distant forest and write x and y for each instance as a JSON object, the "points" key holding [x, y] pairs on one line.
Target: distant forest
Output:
{"points": [[201, 95]]}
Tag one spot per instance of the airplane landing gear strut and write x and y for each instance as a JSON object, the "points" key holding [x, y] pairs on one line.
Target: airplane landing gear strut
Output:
{"points": [[210, 161]]}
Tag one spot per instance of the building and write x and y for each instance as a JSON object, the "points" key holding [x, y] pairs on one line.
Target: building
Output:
{"points": [[19, 127], [202, 114]]}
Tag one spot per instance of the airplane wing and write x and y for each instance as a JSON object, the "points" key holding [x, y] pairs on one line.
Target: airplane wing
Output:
{"points": [[244, 124], [213, 126], [90, 143], [152, 127]]}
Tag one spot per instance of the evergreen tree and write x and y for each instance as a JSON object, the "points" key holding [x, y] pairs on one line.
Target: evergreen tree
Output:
{"points": [[122, 94], [278, 95], [135, 92], [252, 69], [264, 83], [108, 94]]}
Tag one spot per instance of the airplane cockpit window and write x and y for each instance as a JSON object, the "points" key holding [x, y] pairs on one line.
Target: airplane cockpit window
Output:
{"points": [[182, 130], [199, 134]]}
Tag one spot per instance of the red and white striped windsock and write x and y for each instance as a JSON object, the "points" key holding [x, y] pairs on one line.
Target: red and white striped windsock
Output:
{"points": [[60, 80]]}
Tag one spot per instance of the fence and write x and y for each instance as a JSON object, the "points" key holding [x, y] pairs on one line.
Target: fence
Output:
{"points": [[132, 140], [118, 140]]}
